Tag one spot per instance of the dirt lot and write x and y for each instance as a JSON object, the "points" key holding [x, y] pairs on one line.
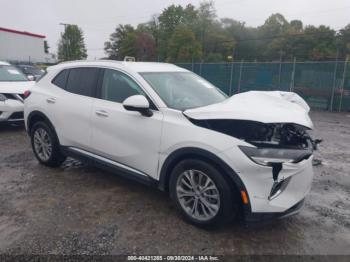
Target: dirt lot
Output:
{"points": [[78, 209]]}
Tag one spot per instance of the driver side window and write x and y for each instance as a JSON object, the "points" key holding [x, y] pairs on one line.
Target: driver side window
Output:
{"points": [[117, 86]]}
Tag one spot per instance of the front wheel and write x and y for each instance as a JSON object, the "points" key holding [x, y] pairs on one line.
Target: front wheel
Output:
{"points": [[202, 194], [45, 145]]}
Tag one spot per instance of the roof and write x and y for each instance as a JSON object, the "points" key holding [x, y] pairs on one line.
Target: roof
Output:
{"points": [[21, 32], [134, 66], [4, 63]]}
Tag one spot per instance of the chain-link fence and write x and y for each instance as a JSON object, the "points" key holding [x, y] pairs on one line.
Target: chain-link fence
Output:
{"points": [[324, 85]]}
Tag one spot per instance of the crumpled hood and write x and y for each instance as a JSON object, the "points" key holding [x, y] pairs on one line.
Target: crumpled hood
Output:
{"points": [[260, 106], [16, 87]]}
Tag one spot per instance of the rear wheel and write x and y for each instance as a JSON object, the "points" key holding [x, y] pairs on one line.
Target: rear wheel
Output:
{"points": [[45, 145], [202, 194]]}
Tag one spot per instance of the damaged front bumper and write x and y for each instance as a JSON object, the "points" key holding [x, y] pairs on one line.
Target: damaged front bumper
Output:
{"points": [[271, 197], [265, 217]]}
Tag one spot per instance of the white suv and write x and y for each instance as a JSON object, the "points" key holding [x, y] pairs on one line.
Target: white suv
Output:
{"points": [[167, 127], [13, 84]]}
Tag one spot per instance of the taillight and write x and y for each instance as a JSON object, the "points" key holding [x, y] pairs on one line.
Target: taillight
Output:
{"points": [[26, 94]]}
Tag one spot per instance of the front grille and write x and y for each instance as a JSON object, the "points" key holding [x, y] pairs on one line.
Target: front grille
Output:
{"points": [[9, 96], [16, 115], [19, 97]]}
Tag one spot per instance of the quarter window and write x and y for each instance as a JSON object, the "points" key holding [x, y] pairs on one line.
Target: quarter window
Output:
{"points": [[83, 81], [117, 86], [61, 79]]}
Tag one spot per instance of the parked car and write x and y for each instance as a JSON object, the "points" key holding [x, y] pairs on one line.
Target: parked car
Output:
{"points": [[31, 71], [13, 84], [167, 127]]}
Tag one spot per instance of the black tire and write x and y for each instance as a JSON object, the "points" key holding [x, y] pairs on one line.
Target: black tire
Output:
{"points": [[55, 158], [228, 204]]}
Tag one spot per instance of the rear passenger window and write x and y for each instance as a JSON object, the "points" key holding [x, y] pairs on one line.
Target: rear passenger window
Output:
{"points": [[83, 81], [61, 79]]}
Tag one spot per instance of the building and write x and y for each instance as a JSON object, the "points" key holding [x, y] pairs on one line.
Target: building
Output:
{"points": [[25, 47]]}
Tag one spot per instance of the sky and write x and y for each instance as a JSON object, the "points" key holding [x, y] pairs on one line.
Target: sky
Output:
{"points": [[98, 18]]}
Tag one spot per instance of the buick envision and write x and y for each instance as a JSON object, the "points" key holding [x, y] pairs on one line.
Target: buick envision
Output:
{"points": [[167, 127]]}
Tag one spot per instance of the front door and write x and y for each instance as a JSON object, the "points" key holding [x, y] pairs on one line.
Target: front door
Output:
{"points": [[126, 137]]}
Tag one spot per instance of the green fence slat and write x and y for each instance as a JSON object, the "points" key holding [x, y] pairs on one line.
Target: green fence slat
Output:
{"points": [[313, 81]]}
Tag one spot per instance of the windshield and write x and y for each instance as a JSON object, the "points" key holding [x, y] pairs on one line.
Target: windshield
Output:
{"points": [[183, 90], [10, 73], [32, 70]]}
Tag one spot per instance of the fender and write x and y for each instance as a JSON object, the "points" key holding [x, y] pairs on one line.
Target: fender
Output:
{"points": [[187, 152], [37, 114]]}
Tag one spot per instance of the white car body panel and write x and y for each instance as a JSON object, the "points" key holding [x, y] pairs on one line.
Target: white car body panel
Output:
{"points": [[126, 137], [258, 182], [144, 143], [15, 104], [260, 106], [15, 87], [9, 107]]}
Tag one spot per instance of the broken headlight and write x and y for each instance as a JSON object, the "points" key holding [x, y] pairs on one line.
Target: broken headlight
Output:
{"points": [[271, 156]]}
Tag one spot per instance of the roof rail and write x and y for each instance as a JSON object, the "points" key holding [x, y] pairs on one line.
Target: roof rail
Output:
{"points": [[87, 60]]}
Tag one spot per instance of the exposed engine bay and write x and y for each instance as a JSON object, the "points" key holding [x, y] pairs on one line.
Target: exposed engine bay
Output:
{"points": [[286, 135]]}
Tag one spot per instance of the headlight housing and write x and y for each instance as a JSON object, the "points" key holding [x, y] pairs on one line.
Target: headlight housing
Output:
{"points": [[270, 156], [2, 98]]}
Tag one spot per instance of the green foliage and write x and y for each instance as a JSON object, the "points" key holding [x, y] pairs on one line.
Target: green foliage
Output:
{"points": [[344, 41], [128, 41], [71, 45], [186, 34], [183, 46]]}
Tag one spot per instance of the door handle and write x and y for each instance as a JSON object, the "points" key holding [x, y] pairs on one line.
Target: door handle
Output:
{"points": [[51, 100], [101, 113]]}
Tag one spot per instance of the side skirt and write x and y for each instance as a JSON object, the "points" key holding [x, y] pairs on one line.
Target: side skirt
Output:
{"points": [[109, 165]]}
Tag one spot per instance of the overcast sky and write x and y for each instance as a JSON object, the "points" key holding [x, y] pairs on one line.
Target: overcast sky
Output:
{"points": [[98, 18]]}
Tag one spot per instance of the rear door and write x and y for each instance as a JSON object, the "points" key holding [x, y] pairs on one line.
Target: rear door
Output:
{"points": [[125, 137], [72, 105]]}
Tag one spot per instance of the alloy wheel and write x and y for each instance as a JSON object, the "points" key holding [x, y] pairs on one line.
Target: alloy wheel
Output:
{"points": [[198, 195], [42, 144]]}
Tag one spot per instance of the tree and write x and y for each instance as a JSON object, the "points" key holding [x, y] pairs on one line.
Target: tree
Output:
{"points": [[169, 19], [71, 45], [145, 47], [128, 41], [206, 18], [169, 35], [344, 41], [240, 32], [117, 46], [183, 46], [297, 25]]}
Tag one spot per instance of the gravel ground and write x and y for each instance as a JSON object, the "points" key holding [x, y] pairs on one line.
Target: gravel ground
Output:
{"points": [[77, 209]]}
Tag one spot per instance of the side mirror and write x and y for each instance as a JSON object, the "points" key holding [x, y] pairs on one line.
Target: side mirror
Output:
{"points": [[31, 77], [138, 103]]}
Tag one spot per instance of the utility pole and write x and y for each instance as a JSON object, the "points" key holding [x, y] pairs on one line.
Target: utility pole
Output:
{"points": [[67, 44]]}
